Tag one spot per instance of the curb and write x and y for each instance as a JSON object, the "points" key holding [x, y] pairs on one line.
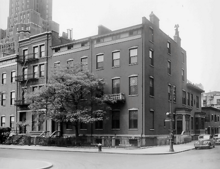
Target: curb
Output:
{"points": [[103, 152], [49, 165]]}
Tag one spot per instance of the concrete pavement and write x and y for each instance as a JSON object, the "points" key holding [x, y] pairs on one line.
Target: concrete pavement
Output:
{"points": [[154, 150]]}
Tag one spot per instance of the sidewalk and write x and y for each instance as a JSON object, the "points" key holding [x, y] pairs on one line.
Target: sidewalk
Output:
{"points": [[27, 164], [154, 150]]}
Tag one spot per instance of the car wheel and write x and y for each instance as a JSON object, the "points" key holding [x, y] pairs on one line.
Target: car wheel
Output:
{"points": [[210, 146], [213, 145], [196, 148]]}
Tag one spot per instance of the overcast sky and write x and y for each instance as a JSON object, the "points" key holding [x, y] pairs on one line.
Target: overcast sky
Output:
{"points": [[198, 20]]}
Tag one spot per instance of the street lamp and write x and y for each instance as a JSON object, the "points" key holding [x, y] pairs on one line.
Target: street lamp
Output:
{"points": [[170, 118]]}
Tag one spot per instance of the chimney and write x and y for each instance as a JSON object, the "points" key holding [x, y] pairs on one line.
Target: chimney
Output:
{"points": [[154, 19], [103, 30], [176, 37]]}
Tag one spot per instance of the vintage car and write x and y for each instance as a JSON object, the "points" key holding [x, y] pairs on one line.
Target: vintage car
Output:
{"points": [[217, 138], [205, 141]]}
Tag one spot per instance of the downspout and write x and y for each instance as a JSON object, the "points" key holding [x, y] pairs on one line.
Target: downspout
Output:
{"points": [[46, 79], [143, 80], [90, 43]]}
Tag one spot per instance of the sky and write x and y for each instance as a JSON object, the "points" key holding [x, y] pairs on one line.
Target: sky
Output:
{"points": [[198, 20]]}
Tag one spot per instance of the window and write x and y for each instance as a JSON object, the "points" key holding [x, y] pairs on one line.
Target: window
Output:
{"points": [[115, 59], [3, 78], [183, 75], [25, 73], [34, 122], [42, 70], [169, 93], [184, 97], [152, 119], [13, 76], [212, 117], [133, 88], [151, 56], [151, 34], [25, 54], [174, 93], [35, 51], [99, 125], [42, 51], [169, 67], [191, 99], [133, 119], [35, 71], [12, 120], [56, 64], [84, 62], [151, 86], [12, 98], [188, 97], [183, 57], [197, 101], [99, 61], [69, 125], [192, 123], [218, 101], [133, 56], [115, 119], [83, 126], [169, 47], [2, 121], [3, 101], [70, 63], [34, 88], [115, 86]]}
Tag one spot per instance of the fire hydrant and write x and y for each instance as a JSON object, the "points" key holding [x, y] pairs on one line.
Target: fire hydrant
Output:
{"points": [[99, 147]]}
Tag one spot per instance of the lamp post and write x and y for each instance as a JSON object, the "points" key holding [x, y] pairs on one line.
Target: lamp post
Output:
{"points": [[171, 120]]}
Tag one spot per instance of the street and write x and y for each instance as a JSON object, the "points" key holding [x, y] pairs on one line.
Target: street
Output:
{"points": [[197, 159]]}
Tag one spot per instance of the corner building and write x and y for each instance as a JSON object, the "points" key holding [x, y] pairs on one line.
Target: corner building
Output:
{"points": [[143, 69]]}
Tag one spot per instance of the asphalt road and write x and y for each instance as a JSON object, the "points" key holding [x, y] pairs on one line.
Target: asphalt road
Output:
{"points": [[194, 159]]}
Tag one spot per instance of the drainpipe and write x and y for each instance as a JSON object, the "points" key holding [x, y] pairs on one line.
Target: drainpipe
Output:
{"points": [[143, 79], [46, 78]]}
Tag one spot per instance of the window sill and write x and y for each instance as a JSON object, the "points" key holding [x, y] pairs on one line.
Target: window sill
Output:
{"points": [[151, 96], [99, 129], [151, 41], [132, 64], [134, 95], [135, 129], [69, 129], [116, 129], [113, 67], [169, 53], [168, 74], [152, 66], [83, 129], [99, 69], [151, 129]]}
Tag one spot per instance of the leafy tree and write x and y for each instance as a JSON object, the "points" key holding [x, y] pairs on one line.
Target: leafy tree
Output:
{"points": [[71, 95]]}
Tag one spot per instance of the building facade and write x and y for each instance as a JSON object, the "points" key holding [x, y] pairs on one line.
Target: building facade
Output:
{"points": [[8, 71], [146, 71], [211, 99], [212, 120]]}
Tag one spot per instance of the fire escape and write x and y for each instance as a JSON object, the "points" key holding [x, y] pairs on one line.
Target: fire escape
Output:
{"points": [[23, 79]]}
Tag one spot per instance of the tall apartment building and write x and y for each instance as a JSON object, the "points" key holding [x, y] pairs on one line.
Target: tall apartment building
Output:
{"points": [[141, 66], [26, 18]]}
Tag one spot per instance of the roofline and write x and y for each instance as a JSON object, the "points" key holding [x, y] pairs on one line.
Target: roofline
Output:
{"points": [[195, 87], [34, 36], [100, 36]]}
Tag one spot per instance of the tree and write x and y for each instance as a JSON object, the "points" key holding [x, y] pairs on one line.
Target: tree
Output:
{"points": [[71, 95]]}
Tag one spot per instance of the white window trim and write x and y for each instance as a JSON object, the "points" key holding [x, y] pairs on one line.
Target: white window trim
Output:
{"points": [[133, 47], [133, 109], [116, 78], [133, 75], [84, 57]]}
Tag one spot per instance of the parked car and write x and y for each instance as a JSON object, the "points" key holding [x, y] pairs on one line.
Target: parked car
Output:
{"points": [[217, 138], [205, 141]]}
